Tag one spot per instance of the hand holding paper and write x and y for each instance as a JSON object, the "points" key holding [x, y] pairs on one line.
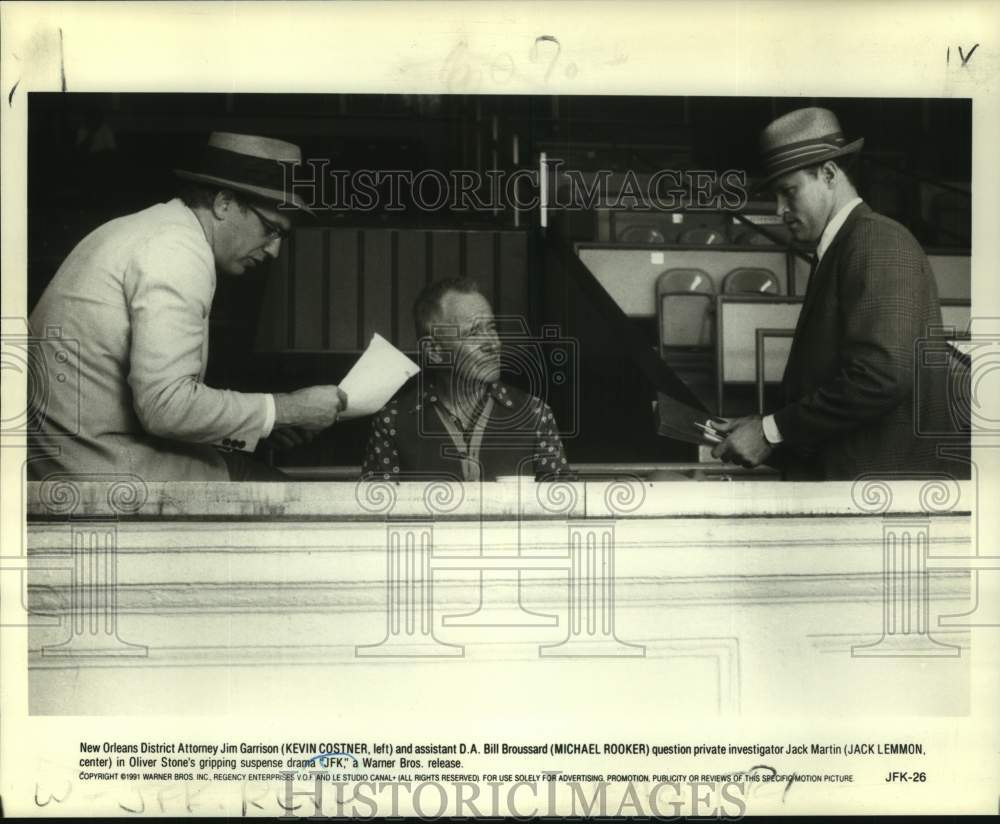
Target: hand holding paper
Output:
{"points": [[378, 374]]}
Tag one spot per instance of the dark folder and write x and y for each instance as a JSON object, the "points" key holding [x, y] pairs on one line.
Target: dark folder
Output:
{"points": [[678, 420]]}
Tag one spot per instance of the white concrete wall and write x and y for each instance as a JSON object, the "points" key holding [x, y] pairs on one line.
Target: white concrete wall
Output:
{"points": [[728, 599]]}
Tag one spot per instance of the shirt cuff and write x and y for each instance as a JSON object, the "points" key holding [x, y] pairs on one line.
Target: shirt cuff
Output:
{"points": [[771, 433], [270, 412]]}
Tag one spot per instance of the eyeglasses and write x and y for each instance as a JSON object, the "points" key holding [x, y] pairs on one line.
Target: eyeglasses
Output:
{"points": [[274, 232]]}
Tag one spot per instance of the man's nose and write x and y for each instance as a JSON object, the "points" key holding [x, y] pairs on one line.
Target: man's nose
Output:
{"points": [[782, 206], [273, 247]]}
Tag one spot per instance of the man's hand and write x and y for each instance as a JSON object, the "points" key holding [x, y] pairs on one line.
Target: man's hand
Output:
{"points": [[312, 409], [289, 436], [745, 443]]}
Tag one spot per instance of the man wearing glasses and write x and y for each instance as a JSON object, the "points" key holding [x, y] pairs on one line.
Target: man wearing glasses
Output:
{"points": [[134, 297], [461, 421]]}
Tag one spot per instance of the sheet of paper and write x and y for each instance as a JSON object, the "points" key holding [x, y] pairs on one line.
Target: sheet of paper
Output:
{"points": [[378, 374]]}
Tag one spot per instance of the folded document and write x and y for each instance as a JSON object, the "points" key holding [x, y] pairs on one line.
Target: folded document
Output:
{"points": [[378, 374]]}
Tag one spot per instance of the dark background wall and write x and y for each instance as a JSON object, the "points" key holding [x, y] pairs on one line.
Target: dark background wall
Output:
{"points": [[96, 156]]}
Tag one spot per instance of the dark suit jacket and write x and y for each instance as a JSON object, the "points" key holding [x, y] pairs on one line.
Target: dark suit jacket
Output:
{"points": [[854, 400]]}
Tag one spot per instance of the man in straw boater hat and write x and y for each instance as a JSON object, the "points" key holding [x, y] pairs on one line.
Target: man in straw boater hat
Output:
{"points": [[851, 394], [135, 296]]}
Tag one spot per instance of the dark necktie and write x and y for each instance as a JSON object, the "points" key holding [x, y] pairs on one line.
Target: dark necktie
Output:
{"points": [[813, 266], [810, 290]]}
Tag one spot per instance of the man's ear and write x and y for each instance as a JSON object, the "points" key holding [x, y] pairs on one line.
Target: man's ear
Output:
{"points": [[830, 172], [223, 202]]}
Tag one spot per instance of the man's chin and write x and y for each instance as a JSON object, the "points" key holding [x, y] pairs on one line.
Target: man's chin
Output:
{"points": [[233, 269], [800, 234]]}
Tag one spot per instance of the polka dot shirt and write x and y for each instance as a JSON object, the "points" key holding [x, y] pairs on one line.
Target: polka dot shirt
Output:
{"points": [[382, 454]]}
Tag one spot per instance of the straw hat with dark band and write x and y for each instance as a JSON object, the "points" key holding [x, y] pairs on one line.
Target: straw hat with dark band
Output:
{"points": [[249, 164], [805, 137]]}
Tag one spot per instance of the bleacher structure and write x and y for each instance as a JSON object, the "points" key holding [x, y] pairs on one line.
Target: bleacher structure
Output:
{"points": [[725, 312]]}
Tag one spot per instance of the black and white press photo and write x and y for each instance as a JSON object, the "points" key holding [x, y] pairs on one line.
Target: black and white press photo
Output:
{"points": [[498, 410]]}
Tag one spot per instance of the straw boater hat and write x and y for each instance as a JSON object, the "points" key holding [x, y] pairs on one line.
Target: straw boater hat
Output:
{"points": [[805, 137], [249, 164]]}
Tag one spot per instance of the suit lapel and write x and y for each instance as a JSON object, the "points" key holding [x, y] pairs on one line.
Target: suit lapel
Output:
{"points": [[826, 266], [817, 280]]}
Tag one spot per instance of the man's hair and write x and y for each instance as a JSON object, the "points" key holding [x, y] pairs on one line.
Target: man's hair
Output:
{"points": [[427, 306], [197, 195], [202, 196], [846, 165]]}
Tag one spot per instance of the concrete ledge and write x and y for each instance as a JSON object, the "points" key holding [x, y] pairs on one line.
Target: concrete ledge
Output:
{"points": [[129, 497]]}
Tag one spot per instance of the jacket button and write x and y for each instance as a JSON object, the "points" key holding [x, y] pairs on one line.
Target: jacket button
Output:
{"points": [[226, 441], [241, 444]]}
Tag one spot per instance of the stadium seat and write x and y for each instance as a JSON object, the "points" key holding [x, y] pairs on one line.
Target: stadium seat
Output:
{"points": [[703, 236], [746, 280], [748, 237], [685, 301], [642, 234]]}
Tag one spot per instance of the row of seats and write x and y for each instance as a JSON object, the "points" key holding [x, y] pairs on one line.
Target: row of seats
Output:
{"points": [[742, 335], [685, 301], [702, 236], [949, 224]]}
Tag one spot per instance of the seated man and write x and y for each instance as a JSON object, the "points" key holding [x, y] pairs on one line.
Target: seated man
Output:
{"points": [[459, 421]]}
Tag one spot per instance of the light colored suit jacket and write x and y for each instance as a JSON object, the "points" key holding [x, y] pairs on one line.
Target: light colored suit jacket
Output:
{"points": [[131, 305]]}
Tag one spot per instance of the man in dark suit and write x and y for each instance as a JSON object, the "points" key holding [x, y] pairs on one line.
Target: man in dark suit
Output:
{"points": [[852, 395]]}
